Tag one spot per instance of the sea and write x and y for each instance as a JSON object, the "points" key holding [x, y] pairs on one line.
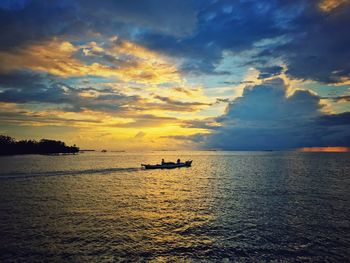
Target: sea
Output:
{"points": [[228, 207]]}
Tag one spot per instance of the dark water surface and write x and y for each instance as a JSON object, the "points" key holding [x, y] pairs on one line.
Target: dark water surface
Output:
{"points": [[230, 206]]}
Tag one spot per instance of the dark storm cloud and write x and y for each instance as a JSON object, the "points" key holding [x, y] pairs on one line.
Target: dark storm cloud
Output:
{"points": [[320, 49], [35, 20], [222, 25], [315, 46], [265, 118], [335, 119]]}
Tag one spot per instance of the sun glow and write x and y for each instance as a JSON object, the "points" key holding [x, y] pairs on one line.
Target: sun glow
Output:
{"points": [[325, 149]]}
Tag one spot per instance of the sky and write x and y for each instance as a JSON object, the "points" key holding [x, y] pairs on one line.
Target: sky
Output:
{"points": [[182, 74]]}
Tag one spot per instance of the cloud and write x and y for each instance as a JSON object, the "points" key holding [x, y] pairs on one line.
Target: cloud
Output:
{"points": [[304, 34], [206, 124], [182, 104], [28, 21], [189, 92], [134, 64], [148, 120], [173, 18], [13, 4], [25, 87], [268, 72], [12, 114], [329, 5], [43, 99], [140, 135], [312, 42], [21, 79], [29, 87], [345, 98], [265, 118], [340, 119], [127, 61], [49, 92], [218, 31], [320, 49], [196, 138]]}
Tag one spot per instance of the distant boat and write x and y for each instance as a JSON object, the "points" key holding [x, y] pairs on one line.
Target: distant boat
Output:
{"points": [[167, 165], [103, 151]]}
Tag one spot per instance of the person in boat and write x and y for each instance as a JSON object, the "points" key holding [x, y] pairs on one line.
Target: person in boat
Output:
{"points": [[164, 163], [178, 161]]}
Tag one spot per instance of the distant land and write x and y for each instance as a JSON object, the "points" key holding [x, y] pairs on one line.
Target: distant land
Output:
{"points": [[9, 146]]}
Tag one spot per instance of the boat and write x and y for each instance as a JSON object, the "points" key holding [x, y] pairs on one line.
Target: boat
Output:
{"points": [[169, 165]]}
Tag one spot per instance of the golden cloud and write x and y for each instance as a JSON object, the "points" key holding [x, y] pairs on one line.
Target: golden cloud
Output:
{"points": [[159, 110], [91, 126], [329, 5], [57, 57]]}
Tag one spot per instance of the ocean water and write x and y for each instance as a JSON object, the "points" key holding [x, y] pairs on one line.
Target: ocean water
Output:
{"points": [[229, 206]]}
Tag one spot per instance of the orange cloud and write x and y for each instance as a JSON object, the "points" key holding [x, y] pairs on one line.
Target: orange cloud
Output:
{"points": [[57, 57], [329, 5], [159, 110], [94, 129]]}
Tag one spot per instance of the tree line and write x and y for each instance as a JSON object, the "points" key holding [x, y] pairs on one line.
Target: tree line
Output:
{"points": [[10, 146]]}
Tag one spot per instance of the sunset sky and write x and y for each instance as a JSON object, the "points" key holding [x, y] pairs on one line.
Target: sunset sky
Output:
{"points": [[182, 74]]}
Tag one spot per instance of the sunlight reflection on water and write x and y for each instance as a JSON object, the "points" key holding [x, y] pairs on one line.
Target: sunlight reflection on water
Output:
{"points": [[229, 206]]}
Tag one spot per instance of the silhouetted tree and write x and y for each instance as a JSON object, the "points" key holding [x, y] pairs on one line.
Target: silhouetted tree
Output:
{"points": [[9, 145]]}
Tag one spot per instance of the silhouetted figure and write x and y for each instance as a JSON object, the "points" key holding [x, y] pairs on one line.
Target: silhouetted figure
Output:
{"points": [[163, 161], [178, 161]]}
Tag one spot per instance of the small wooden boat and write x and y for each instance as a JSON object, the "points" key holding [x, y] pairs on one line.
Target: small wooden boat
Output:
{"points": [[167, 165]]}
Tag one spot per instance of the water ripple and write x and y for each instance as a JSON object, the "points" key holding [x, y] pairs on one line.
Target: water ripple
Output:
{"points": [[69, 172], [279, 207]]}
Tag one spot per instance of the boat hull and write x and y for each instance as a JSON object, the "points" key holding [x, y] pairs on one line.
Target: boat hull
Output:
{"points": [[167, 166]]}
